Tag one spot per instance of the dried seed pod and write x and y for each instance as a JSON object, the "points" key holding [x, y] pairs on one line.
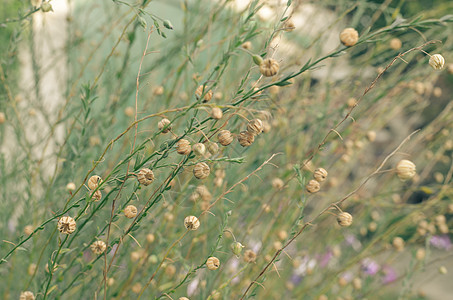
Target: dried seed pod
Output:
{"points": [[96, 196], [191, 223], [282, 235], [199, 149], [289, 26], [27, 295], [236, 248], [255, 126], [437, 61], [203, 192], [246, 138], [129, 111], [66, 225], [158, 90], [98, 247], [313, 186], [266, 127], [269, 67], [405, 169], [225, 137], [145, 176], [395, 44], [199, 92], [46, 7], [216, 113], [320, 174], [213, 148], [247, 45], [183, 147], [94, 182], [371, 135], [420, 254], [349, 37], [136, 288], [398, 244], [150, 237], [277, 183], [31, 269], [170, 270], [249, 256], [130, 211], [201, 170], [71, 186], [213, 263], [164, 125], [357, 283], [2, 117], [344, 219], [443, 270]]}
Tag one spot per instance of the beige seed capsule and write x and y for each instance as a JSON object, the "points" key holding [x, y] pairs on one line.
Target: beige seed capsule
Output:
{"points": [[320, 174], [277, 183], [183, 147], [150, 237], [129, 111], [66, 225], [357, 283], [395, 44], [437, 61], [371, 135], [255, 126], [398, 244], [96, 196], [27, 295], [313, 186], [199, 149], [71, 186], [420, 254], [98, 247], [289, 26], [443, 270], [164, 125], [213, 148], [225, 137], [2, 117], [191, 223], [405, 169], [199, 92], [246, 138], [136, 288], [247, 45], [216, 113], [201, 170], [213, 263], [158, 90], [31, 269], [94, 182], [349, 37], [28, 229], [145, 176], [269, 67], [130, 211], [249, 256], [344, 219]]}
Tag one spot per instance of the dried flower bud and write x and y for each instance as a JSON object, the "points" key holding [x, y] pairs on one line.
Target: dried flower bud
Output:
{"points": [[201, 170], [289, 26], [183, 147], [269, 67], [277, 183], [213, 263], [27, 295], [191, 223], [46, 7], [98, 247], [405, 169], [236, 248], [420, 254], [349, 37], [170, 270], [66, 225], [71, 186], [398, 244], [357, 283], [216, 113], [203, 192], [246, 138], [199, 149], [213, 148], [94, 182], [395, 44], [136, 288], [199, 92], [225, 137], [344, 219], [129, 111], [28, 229], [96, 196], [130, 211], [282, 235], [158, 90], [313, 186], [164, 125], [255, 126], [371, 135], [249, 256], [320, 174], [437, 61], [145, 176]]}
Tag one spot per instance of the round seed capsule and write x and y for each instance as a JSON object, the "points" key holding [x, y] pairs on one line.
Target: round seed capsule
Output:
{"points": [[201, 170], [199, 92], [320, 174], [437, 61], [183, 147], [213, 148], [94, 182], [255, 126], [216, 113], [249, 256], [349, 37], [199, 149], [269, 67], [98, 247], [97, 196], [66, 225], [191, 223], [313, 186], [344, 219], [246, 138], [145, 176], [27, 295], [164, 125], [225, 137], [405, 169], [398, 244], [130, 211], [213, 263]]}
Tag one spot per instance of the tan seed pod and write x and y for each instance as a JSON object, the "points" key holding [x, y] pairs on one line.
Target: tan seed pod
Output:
{"points": [[323, 297], [129, 111], [443, 270], [2, 117], [150, 238], [66, 225], [420, 254], [145, 176], [396, 44], [170, 270], [183, 147], [130, 211], [245, 138], [277, 183], [313, 186], [344, 219], [282, 235], [247, 45], [207, 96], [437, 61], [94, 182], [437, 92], [440, 219], [191, 223], [136, 288], [71, 186], [225, 137], [28, 229], [201, 170], [98, 247], [27, 295], [218, 181], [164, 125], [371, 135], [289, 26], [213, 148], [349, 37], [216, 113], [31, 269], [213, 263], [135, 256], [266, 208], [255, 126], [249, 256], [269, 67], [169, 217], [405, 169], [266, 127], [96, 196], [203, 193], [199, 149], [398, 244], [110, 281], [357, 283], [158, 90], [320, 174]]}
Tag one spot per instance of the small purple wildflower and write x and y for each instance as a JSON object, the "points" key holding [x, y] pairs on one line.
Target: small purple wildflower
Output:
{"points": [[389, 275], [441, 242], [370, 267]]}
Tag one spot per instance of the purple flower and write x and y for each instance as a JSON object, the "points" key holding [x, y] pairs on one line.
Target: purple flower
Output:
{"points": [[296, 279], [440, 242], [325, 258], [389, 275], [370, 267]]}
